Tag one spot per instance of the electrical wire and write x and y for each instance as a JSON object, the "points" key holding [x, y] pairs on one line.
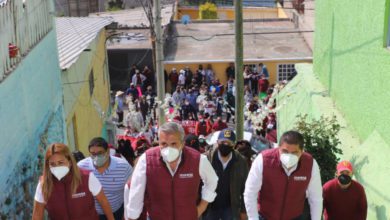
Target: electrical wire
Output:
{"points": [[232, 34]]}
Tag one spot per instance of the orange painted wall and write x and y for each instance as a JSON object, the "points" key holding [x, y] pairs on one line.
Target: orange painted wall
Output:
{"points": [[219, 68], [228, 13]]}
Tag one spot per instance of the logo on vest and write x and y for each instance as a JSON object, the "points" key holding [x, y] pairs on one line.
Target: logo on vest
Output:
{"points": [[186, 175], [300, 178], [78, 195]]}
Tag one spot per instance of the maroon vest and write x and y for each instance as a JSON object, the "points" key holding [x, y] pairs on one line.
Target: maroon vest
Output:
{"points": [[282, 197], [172, 198], [62, 205]]}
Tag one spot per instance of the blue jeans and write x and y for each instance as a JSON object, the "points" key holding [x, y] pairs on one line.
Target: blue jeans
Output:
{"points": [[218, 214]]}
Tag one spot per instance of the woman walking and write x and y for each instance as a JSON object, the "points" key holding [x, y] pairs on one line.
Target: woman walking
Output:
{"points": [[67, 192]]}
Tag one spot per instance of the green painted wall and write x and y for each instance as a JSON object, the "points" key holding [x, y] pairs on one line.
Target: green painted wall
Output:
{"points": [[352, 62], [307, 95]]}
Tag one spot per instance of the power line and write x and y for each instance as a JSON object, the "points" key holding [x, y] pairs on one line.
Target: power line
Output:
{"points": [[232, 34]]}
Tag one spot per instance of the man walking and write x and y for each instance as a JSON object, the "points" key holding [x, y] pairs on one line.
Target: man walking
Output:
{"points": [[112, 172], [279, 181], [232, 171], [263, 70], [168, 178], [344, 198]]}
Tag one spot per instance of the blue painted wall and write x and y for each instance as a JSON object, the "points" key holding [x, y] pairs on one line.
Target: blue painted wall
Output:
{"points": [[31, 116]]}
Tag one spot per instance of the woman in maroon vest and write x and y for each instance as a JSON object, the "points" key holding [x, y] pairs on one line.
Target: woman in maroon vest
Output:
{"points": [[67, 192]]}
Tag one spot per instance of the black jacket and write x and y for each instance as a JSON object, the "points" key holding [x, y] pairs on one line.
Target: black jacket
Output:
{"points": [[238, 173]]}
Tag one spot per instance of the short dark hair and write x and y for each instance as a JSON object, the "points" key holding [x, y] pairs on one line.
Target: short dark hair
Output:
{"points": [[78, 155], [98, 142], [292, 137], [192, 141]]}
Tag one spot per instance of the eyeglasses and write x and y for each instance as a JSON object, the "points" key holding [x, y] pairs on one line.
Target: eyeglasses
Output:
{"points": [[95, 154]]}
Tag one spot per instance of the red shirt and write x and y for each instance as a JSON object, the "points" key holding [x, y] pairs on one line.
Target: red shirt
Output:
{"points": [[218, 126], [340, 204], [202, 128], [263, 85], [272, 136], [189, 126]]}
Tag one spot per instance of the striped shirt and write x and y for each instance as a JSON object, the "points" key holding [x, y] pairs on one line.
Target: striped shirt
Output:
{"points": [[113, 180]]}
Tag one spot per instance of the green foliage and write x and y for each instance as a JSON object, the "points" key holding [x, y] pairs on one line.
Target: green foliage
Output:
{"points": [[321, 141], [115, 5], [114, 8], [208, 11]]}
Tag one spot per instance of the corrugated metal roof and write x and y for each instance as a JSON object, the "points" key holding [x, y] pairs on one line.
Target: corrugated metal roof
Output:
{"points": [[74, 35], [136, 18]]}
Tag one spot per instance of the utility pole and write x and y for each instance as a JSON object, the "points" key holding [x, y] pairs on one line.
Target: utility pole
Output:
{"points": [[239, 60], [159, 60]]}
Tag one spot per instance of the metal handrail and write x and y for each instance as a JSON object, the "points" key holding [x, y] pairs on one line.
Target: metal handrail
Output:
{"points": [[22, 25]]}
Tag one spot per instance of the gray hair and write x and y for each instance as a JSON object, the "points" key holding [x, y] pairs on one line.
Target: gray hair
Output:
{"points": [[172, 128]]}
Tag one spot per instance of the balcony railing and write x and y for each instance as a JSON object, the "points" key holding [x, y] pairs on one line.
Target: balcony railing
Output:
{"points": [[23, 23]]}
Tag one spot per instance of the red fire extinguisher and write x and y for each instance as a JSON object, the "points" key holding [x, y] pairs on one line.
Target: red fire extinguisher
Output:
{"points": [[13, 50]]}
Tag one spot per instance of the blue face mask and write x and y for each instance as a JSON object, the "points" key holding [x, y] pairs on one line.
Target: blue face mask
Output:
{"points": [[99, 160]]}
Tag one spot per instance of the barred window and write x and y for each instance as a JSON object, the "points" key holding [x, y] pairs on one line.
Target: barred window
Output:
{"points": [[286, 71]]}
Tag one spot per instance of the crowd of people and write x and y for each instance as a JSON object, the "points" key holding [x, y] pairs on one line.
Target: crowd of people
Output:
{"points": [[176, 171], [198, 101], [174, 180]]}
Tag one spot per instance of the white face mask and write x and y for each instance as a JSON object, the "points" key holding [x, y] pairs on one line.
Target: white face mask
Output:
{"points": [[59, 172], [289, 160], [169, 154]]}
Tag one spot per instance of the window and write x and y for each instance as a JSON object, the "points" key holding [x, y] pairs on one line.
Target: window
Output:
{"points": [[286, 71], [91, 83]]}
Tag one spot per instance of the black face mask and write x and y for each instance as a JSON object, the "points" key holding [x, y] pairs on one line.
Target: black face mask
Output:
{"points": [[344, 179], [225, 149]]}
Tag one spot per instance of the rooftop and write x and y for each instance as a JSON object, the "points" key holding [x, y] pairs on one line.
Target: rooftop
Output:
{"points": [[135, 18], [267, 40], [74, 36], [130, 39]]}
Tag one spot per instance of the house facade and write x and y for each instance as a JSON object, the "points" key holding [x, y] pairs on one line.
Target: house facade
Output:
{"points": [[85, 79]]}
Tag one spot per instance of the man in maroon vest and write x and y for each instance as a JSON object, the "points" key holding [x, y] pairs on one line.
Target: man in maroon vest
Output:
{"points": [[281, 179], [168, 177]]}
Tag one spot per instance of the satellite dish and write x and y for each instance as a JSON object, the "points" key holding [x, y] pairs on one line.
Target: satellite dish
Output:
{"points": [[185, 19]]}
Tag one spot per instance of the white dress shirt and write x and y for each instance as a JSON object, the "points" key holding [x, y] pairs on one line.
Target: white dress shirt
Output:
{"points": [[138, 185], [255, 180]]}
